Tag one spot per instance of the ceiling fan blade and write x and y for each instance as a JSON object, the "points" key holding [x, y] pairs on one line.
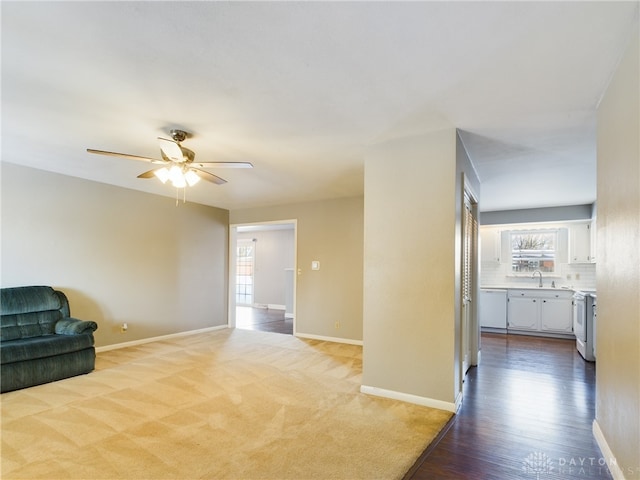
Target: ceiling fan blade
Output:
{"points": [[222, 164], [124, 155], [171, 149], [149, 174], [209, 177]]}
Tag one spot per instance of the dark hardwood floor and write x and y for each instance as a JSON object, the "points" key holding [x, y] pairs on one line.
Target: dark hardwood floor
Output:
{"points": [[527, 413], [263, 319]]}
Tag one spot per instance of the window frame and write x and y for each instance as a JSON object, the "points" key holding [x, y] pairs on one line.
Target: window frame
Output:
{"points": [[535, 231], [245, 272]]}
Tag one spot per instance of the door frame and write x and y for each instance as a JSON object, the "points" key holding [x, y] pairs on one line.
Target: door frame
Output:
{"points": [[233, 241], [472, 333]]}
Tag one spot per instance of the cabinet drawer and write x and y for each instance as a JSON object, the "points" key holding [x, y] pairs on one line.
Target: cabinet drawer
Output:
{"points": [[523, 294], [531, 293]]}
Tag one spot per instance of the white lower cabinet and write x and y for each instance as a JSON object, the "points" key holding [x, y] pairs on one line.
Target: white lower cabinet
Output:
{"points": [[540, 311], [523, 312], [556, 314]]}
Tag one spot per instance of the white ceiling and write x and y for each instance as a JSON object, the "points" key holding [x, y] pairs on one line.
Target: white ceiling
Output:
{"points": [[301, 90]]}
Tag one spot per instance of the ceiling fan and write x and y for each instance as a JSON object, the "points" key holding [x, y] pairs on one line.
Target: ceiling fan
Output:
{"points": [[178, 163]]}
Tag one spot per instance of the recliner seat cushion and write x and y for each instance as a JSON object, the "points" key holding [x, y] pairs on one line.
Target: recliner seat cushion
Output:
{"points": [[41, 347], [26, 325]]}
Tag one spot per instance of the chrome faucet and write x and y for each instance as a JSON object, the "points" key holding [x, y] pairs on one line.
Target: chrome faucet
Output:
{"points": [[534, 276]]}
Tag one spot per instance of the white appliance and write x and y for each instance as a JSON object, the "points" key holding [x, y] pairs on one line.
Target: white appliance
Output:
{"points": [[583, 325], [492, 310]]}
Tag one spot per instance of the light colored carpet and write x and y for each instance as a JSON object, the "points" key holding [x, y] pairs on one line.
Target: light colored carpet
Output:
{"points": [[230, 404]]}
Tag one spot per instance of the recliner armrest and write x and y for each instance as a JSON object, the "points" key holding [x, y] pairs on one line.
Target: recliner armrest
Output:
{"points": [[73, 326]]}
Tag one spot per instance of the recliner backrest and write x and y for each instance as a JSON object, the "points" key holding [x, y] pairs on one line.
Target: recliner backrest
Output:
{"points": [[30, 311]]}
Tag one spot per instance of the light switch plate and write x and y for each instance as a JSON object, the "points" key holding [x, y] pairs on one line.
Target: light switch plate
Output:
{"points": [[315, 265]]}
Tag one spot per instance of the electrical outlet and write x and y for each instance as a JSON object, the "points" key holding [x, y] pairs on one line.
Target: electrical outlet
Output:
{"points": [[337, 325], [568, 277], [124, 327], [577, 276]]}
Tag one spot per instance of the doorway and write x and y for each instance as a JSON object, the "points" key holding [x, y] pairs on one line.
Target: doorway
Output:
{"points": [[261, 276], [469, 327]]}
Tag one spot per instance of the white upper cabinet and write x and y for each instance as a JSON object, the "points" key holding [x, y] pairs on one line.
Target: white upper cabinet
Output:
{"points": [[593, 239], [490, 244], [580, 243]]}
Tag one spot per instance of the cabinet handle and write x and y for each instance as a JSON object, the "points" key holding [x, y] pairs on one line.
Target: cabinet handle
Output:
{"points": [[534, 300]]}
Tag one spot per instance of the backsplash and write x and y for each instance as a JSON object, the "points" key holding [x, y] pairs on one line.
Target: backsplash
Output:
{"points": [[577, 275]]}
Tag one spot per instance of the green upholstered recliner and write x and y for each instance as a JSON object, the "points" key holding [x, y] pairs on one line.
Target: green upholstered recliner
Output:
{"points": [[39, 341]]}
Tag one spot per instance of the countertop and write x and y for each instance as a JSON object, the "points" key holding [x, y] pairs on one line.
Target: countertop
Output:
{"points": [[591, 291]]}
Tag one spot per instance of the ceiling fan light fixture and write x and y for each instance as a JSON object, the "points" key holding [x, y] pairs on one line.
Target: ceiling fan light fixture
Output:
{"points": [[191, 177], [162, 174], [179, 183], [175, 175]]}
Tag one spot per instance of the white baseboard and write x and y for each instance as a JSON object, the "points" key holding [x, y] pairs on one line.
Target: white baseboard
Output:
{"points": [[329, 339], [274, 306], [288, 315], [142, 341], [409, 398], [607, 454], [458, 403]]}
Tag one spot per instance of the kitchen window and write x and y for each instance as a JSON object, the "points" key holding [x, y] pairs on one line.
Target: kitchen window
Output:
{"points": [[533, 250]]}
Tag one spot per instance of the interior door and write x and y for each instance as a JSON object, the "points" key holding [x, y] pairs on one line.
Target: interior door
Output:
{"points": [[469, 255]]}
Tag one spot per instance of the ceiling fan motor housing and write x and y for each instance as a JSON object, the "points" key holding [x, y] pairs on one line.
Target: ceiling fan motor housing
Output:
{"points": [[178, 135]]}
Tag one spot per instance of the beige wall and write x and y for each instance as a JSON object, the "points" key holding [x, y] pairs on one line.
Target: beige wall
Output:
{"points": [[409, 276], [330, 232], [119, 255], [618, 270]]}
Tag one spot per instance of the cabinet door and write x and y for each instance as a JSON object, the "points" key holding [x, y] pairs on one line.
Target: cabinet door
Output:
{"points": [[593, 240], [580, 243], [556, 315], [490, 244], [523, 313]]}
